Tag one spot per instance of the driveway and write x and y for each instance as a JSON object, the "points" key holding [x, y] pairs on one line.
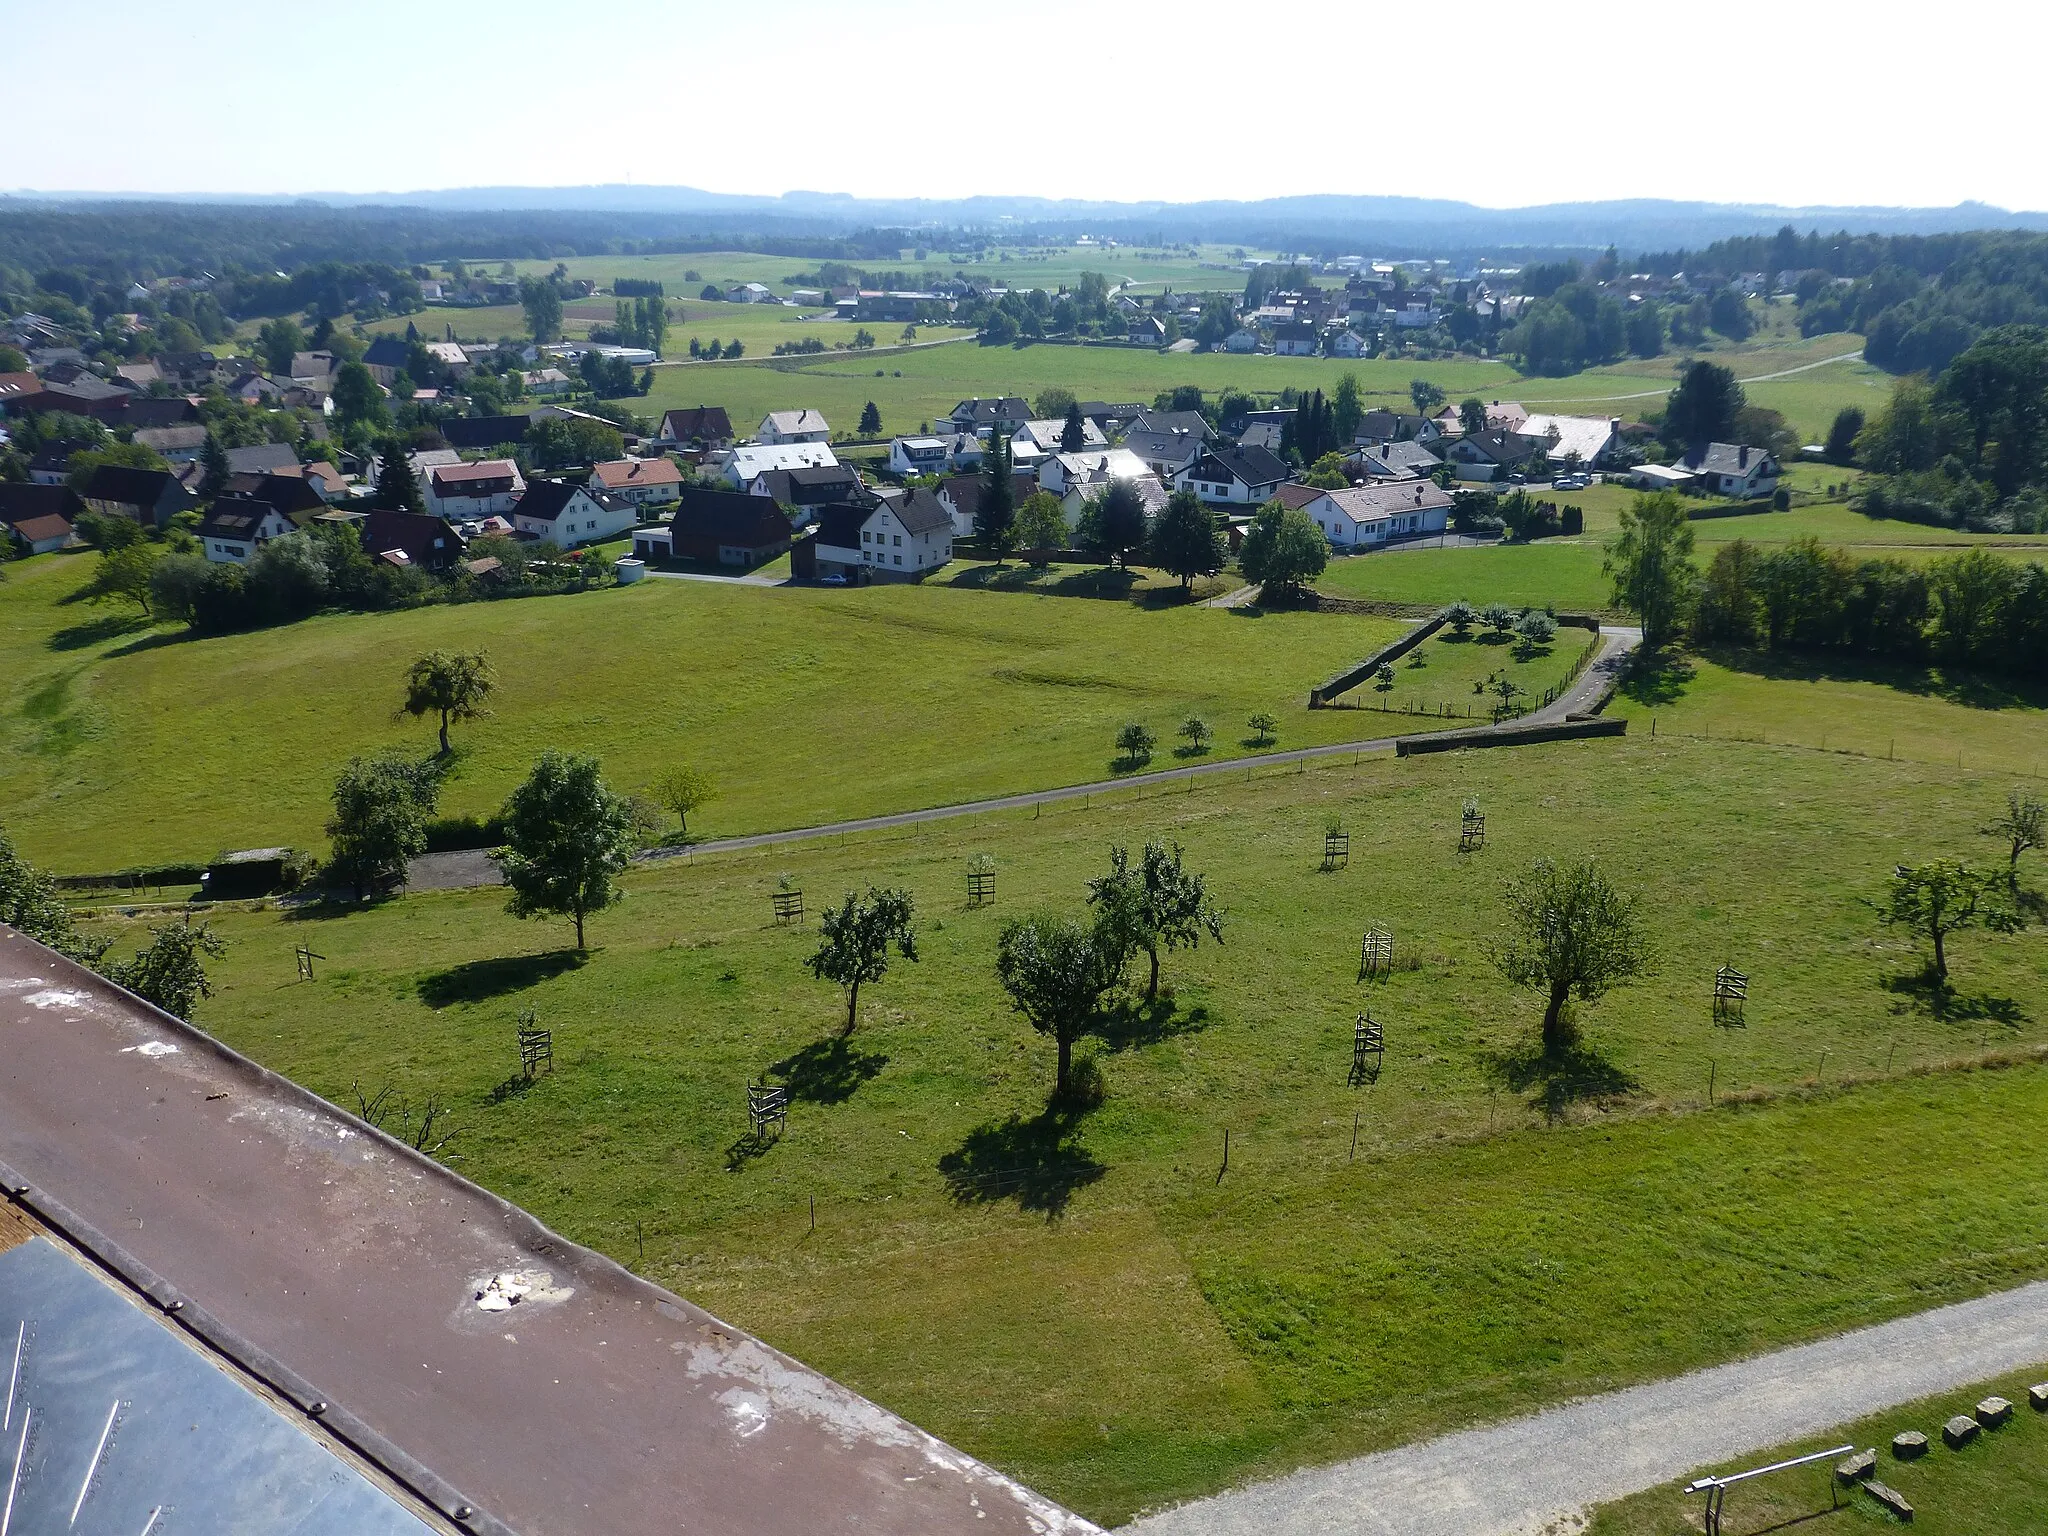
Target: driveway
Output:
{"points": [[1539, 1472]]}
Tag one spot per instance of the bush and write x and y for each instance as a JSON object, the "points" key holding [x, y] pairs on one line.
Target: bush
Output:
{"points": [[1781, 500], [447, 834]]}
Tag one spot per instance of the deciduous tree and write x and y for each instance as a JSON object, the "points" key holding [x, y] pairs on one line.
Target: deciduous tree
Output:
{"points": [[1941, 897], [2024, 826], [566, 837], [854, 940], [453, 684], [171, 973], [1284, 549], [1159, 905], [1056, 970], [1650, 563], [381, 808], [1041, 525], [682, 790], [1703, 407], [1571, 934], [1185, 539]]}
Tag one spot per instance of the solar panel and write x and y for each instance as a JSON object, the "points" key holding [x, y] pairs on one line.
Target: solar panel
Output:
{"points": [[112, 1423]]}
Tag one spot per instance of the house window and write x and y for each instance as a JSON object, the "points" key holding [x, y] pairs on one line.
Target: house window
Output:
{"points": [[864, 535], [899, 559], [897, 539]]}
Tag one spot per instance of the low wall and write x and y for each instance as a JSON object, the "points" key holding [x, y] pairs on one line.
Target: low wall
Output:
{"points": [[1507, 736], [1351, 677]]}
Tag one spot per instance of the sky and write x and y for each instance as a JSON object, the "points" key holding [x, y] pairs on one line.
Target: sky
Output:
{"points": [[1793, 102]]}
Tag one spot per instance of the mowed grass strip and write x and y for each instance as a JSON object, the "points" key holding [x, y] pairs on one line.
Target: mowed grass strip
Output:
{"points": [[1082, 1299], [119, 746], [1992, 1487]]}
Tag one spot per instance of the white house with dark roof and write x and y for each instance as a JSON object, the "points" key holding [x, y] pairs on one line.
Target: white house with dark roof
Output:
{"points": [[1595, 439], [1004, 413], [1240, 476], [567, 515], [904, 537], [1165, 453], [779, 427], [1396, 461], [235, 527], [1371, 516], [1045, 437], [743, 464], [1733, 469]]}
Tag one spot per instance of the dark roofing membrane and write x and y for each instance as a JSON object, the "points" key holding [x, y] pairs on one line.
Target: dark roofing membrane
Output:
{"points": [[369, 1287]]}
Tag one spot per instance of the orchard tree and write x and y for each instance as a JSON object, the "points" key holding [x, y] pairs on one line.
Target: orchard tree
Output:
{"points": [[31, 906], [2024, 827], [121, 575], [1426, 394], [1186, 540], [1650, 563], [1056, 970], [1284, 549], [1942, 897], [1159, 905], [381, 808], [1136, 741], [854, 940], [171, 973], [682, 790], [452, 684], [566, 837], [1263, 728], [1571, 934]]}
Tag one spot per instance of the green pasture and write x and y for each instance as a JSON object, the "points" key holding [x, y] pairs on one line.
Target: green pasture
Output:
{"points": [[1089, 1299]]}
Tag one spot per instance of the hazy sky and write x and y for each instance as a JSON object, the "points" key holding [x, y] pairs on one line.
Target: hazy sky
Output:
{"points": [[1502, 105]]}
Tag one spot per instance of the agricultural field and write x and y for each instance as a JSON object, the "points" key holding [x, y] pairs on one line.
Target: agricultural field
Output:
{"points": [[1989, 1488], [1089, 1298], [806, 704]]}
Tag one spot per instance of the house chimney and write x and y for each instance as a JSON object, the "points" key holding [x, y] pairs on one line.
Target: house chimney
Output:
{"points": [[1742, 458]]}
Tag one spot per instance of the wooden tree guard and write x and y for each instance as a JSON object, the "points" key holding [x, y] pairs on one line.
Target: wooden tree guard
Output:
{"points": [[1336, 850], [1731, 993], [789, 906], [1368, 1050], [536, 1045], [981, 887], [306, 959], [1376, 954], [766, 1106], [1472, 835]]}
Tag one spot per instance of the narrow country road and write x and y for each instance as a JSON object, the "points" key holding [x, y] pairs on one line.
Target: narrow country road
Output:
{"points": [[1651, 394], [452, 871], [1541, 1472]]}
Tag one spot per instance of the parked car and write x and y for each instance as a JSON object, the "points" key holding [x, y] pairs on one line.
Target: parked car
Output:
{"points": [[1572, 483]]}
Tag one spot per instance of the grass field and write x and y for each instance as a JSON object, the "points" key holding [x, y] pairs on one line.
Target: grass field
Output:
{"points": [[1564, 572], [1993, 1487], [1084, 1299], [806, 705]]}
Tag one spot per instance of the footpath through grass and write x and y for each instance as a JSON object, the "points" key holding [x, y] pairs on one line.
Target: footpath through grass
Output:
{"points": [[1995, 1486], [120, 744], [1086, 1299]]}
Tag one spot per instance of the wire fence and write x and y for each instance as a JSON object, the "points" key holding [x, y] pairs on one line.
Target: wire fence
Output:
{"points": [[1748, 733]]}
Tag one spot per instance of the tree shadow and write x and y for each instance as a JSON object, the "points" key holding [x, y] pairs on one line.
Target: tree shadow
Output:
{"points": [[828, 1071], [76, 637], [1133, 1023], [1191, 750], [154, 639], [998, 578], [1579, 1074], [1098, 581], [478, 980], [1658, 679], [1938, 997], [1038, 1161], [1124, 763]]}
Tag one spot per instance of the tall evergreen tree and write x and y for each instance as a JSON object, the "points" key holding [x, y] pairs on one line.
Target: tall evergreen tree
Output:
{"points": [[995, 521], [398, 488], [870, 420], [1074, 435], [213, 458]]}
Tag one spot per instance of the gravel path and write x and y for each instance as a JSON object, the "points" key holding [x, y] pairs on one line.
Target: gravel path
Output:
{"points": [[1517, 1478]]}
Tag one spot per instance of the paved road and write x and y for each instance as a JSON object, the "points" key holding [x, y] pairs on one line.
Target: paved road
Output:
{"points": [[730, 581], [1529, 1474], [452, 871]]}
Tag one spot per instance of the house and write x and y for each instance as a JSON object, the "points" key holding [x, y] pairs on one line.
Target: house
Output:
{"points": [[85, 395], [722, 528], [1506, 415], [410, 538], [1372, 516], [473, 490], [699, 426], [1245, 476], [1733, 469], [548, 381], [1165, 453], [51, 464], [642, 482], [961, 496], [328, 482], [567, 514], [255, 389], [262, 459], [474, 434], [1083, 473], [139, 375], [800, 491], [16, 390], [1046, 437], [1269, 435], [314, 367], [39, 517], [1145, 331], [749, 293], [1397, 461], [1242, 340], [1111, 419], [920, 455], [1296, 340], [742, 464], [174, 411], [779, 427], [979, 417], [235, 527], [178, 445], [1193, 423], [187, 370], [450, 356], [151, 497], [1492, 454], [293, 495], [904, 538], [1346, 343], [1593, 439], [1376, 427]]}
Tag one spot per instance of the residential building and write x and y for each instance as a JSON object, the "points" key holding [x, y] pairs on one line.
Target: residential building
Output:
{"points": [[151, 497], [1296, 339], [1145, 331], [903, 538], [1084, 473], [1193, 423], [1110, 418], [1397, 461], [696, 426], [750, 293], [961, 496], [779, 427], [720, 528], [262, 459], [38, 516], [642, 482], [480, 434], [16, 390], [1661, 477], [38, 535], [1243, 476], [1346, 343], [743, 463], [567, 515], [1733, 469], [457, 491], [920, 455], [548, 381], [1165, 453], [1047, 437], [1241, 341], [1492, 454], [187, 370], [410, 538], [235, 527], [979, 417], [1366, 517], [1376, 427], [178, 445], [292, 495], [1593, 439], [800, 492]]}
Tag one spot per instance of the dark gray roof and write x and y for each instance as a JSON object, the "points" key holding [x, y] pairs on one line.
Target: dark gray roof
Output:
{"points": [[1724, 459], [262, 458], [134, 487], [1253, 466], [20, 500], [1169, 445], [1170, 421], [235, 517], [547, 498], [731, 517], [920, 511]]}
